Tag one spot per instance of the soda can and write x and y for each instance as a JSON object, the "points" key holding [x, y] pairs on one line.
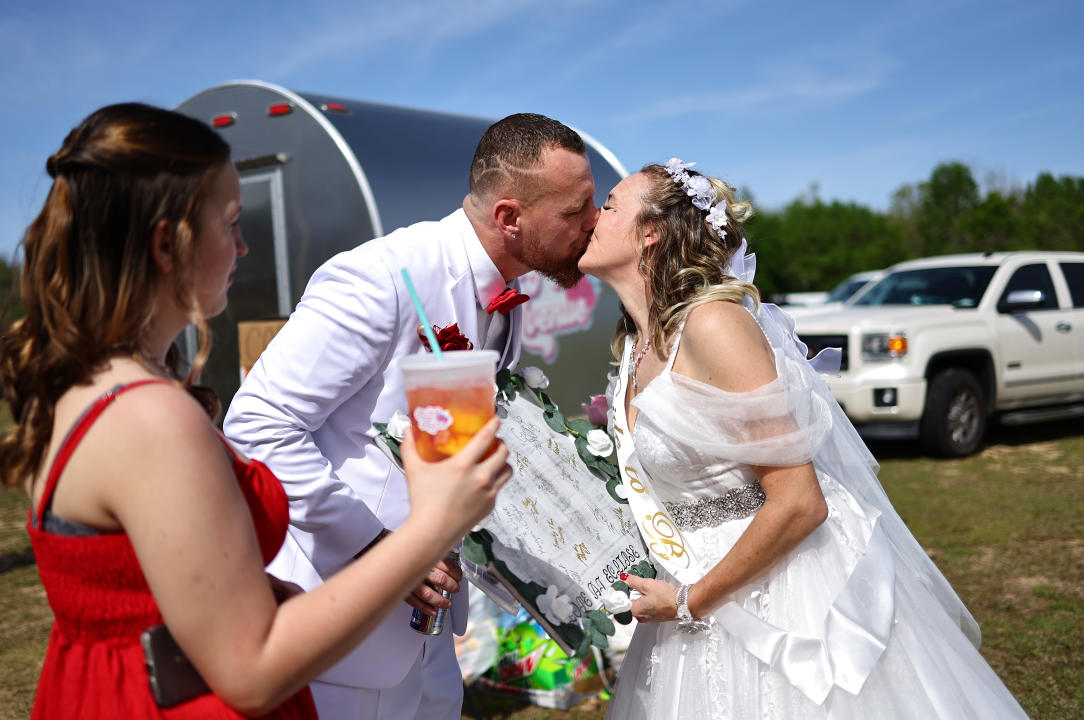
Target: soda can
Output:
{"points": [[431, 624]]}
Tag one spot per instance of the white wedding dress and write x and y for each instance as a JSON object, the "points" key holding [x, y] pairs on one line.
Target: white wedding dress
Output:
{"points": [[856, 622]]}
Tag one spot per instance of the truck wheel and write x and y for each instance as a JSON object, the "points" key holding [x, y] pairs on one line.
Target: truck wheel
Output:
{"points": [[955, 417]]}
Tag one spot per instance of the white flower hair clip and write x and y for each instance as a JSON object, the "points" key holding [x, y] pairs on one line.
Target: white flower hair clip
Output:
{"points": [[702, 193]]}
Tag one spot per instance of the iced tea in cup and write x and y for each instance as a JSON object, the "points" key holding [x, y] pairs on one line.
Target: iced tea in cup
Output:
{"points": [[450, 399]]}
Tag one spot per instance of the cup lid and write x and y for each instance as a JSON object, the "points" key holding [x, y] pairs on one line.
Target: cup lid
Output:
{"points": [[451, 359]]}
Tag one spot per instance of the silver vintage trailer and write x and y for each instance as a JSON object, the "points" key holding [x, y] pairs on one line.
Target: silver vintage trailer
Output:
{"points": [[321, 174]]}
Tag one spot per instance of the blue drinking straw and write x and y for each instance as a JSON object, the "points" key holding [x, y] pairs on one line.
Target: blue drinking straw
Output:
{"points": [[433, 344]]}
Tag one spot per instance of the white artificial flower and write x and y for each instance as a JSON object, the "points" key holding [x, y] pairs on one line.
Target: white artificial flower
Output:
{"points": [[616, 602], [620, 491], [674, 165], [599, 443], [535, 378], [717, 218], [397, 425], [676, 168], [556, 608], [700, 190]]}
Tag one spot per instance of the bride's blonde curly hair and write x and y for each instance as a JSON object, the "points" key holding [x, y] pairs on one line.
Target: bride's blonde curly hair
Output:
{"points": [[687, 266]]}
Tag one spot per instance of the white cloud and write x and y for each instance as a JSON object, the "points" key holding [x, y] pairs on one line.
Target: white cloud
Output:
{"points": [[354, 31], [832, 78]]}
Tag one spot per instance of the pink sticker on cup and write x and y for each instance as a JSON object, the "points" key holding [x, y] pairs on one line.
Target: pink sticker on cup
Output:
{"points": [[432, 419]]}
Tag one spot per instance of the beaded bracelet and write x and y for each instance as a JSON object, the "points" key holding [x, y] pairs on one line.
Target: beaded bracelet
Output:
{"points": [[686, 621]]}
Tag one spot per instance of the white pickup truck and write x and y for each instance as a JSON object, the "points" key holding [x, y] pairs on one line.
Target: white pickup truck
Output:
{"points": [[940, 345]]}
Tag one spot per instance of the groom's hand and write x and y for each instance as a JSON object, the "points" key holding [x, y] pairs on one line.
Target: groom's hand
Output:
{"points": [[657, 601], [446, 575]]}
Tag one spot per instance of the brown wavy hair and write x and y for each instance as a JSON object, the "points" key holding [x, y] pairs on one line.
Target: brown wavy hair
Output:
{"points": [[89, 278], [687, 266]]}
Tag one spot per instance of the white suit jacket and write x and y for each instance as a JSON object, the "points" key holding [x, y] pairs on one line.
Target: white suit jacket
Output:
{"points": [[308, 406]]}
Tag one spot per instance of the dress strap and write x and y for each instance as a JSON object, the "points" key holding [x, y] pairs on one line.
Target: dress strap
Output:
{"points": [[674, 346], [71, 441]]}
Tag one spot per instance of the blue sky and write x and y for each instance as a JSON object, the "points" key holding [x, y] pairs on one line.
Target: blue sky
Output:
{"points": [[853, 98]]}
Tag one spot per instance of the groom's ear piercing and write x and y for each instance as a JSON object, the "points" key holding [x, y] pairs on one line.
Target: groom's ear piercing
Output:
{"points": [[513, 236]]}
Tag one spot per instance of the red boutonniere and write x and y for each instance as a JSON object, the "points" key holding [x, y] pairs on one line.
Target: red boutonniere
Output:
{"points": [[448, 338], [506, 301]]}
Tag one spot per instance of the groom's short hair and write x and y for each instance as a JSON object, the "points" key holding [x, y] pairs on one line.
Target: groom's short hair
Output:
{"points": [[509, 155]]}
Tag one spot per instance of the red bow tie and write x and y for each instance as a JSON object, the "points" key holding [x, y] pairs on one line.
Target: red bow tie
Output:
{"points": [[506, 301]]}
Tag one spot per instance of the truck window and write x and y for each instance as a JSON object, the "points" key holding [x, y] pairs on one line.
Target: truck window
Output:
{"points": [[1074, 276], [961, 287], [1033, 277]]}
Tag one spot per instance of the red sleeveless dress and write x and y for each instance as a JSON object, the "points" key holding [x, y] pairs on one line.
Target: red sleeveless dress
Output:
{"points": [[94, 663]]}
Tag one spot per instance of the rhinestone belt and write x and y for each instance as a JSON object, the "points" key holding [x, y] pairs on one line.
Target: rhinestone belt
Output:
{"points": [[734, 504]]}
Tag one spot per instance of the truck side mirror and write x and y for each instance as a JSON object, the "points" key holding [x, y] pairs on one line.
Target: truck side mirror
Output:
{"points": [[1020, 300]]}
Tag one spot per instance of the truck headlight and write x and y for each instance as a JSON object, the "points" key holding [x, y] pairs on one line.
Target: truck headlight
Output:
{"points": [[884, 346]]}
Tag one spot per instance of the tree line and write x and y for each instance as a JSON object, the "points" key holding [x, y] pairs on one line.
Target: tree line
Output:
{"points": [[812, 245]]}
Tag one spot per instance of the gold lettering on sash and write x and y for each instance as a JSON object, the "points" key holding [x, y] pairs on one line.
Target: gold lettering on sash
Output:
{"points": [[664, 539], [634, 481], [618, 432]]}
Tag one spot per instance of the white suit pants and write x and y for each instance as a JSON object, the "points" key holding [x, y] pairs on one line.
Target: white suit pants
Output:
{"points": [[431, 690]]}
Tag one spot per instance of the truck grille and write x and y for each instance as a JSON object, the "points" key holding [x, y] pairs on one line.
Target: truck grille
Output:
{"points": [[816, 343]]}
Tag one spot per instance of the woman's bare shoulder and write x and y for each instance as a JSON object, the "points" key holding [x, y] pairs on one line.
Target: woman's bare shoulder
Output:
{"points": [[723, 345], [720, 316], [148, 447], [158, 424], [160, 406]]}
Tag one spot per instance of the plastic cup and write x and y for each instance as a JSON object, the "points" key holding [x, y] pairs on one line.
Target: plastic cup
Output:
{"points": [[450, 399]]}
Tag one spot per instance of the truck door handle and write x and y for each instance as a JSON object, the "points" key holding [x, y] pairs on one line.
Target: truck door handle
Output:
{"points": [[1063, 327]]}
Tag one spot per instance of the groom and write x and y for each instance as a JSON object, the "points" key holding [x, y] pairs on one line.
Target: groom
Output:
{"points": [[308, 406]]}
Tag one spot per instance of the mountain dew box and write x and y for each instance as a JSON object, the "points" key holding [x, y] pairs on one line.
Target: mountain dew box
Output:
{"points": [[532, 666]]}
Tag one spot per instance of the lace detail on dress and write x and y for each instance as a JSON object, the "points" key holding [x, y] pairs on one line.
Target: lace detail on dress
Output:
{"points": [[655, 664], [718, 688]]}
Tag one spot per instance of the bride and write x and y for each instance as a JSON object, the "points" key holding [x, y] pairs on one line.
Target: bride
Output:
{"points": [[788, 586]]}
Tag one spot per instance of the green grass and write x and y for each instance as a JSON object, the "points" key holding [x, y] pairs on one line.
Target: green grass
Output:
{"points": [[26, 618], [1005, 526]]}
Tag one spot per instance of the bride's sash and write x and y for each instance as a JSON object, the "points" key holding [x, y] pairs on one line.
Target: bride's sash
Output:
{"points": [[857, 625], [661, 534]]}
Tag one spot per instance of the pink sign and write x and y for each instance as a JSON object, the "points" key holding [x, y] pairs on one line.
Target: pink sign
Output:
{"points": [[554, 311]]}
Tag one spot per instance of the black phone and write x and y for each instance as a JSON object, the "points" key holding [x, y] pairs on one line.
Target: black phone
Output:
{"points": [[173, 678]]}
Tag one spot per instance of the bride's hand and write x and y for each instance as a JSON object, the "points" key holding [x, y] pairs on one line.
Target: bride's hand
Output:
{"points": [[657, 601]]}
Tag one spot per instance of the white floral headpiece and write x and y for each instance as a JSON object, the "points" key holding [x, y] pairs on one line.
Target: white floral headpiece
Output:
{"points": [[702, 193]]}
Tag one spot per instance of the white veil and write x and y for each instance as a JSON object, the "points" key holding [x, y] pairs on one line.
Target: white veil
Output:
{"points": [[844, 456]]}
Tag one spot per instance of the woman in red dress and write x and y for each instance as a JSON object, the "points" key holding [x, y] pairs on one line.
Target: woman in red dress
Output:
{"points": [[142, 513]]}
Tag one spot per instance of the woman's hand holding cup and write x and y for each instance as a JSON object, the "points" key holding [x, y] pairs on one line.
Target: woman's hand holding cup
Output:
{"points": [[454, 494]]}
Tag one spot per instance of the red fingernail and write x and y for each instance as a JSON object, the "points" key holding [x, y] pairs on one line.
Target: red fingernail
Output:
{"points": [[624, 576]]}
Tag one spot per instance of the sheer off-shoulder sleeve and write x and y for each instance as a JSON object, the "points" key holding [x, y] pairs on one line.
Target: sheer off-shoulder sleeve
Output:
{"points": [[781, 423]]}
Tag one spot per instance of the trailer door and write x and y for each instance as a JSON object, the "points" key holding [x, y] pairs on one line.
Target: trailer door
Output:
{"points": [[261, 285]]}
